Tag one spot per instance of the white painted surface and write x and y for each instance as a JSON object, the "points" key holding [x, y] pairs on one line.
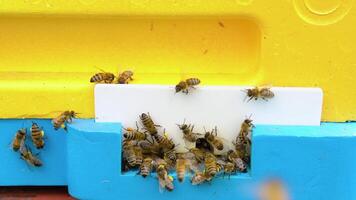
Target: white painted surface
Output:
{"points": [[207, 106]]}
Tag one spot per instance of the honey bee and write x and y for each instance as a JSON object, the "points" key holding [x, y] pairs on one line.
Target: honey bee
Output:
{"points": [[103, 76], [170, 156], [37, 136], [198, 154], [198, 178], [19, 139], [150, 148], [229, 168], [212, 138], [165, 181], [138, 154], [246, 128], [188, 132], [164, 141], [210, 164], [184, 86], [181, 166], [259, 92], [148, 123], [132, 134], [63, 118], [27, 156], [146, 167], [129, 153], [234, 157], [125, 77], [204, 145]]}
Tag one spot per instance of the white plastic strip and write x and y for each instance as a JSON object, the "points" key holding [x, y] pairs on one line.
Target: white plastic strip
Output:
{"points": [[207, 106]]}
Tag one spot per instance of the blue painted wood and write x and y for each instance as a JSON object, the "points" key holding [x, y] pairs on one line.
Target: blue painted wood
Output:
{"points": [[312, 162]]}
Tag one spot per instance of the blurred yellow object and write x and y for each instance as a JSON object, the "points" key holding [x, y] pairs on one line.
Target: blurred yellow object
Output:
{"points": [[49, 48], [273, 190]]}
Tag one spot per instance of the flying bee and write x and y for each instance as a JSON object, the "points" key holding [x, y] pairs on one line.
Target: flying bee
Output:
{"points": [[37, 135], [210, 164], [125, 77], [165, 181], [264, 93], [148, 123], [27, 156], [131, 134], [105, 77], [63, 118], [212, 138], [184, 86], [146, 167], [188, 134], [19, 139]]}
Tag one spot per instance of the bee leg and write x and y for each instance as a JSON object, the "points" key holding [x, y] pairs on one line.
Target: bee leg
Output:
{"points": [[264, 99], [65, 129]]}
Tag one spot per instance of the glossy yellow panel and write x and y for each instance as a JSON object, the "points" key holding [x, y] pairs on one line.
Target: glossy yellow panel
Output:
{"points": [[49, 48]]}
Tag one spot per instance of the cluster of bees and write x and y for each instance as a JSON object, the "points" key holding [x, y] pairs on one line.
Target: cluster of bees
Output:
{"points": [[19, 144], [148, 150]]}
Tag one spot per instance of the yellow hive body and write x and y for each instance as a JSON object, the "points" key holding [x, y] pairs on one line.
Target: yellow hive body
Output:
{"points": [[50, 48]]}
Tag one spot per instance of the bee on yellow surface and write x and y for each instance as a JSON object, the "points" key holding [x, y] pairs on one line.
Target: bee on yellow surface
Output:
{"points": [[184, 86], [63, 118], [37, 135], [27, 156], [125, 77], [146, 167], [103, 76], [264, 93], [165, 181], [148, 123], [19, 139], [212, 138], [188, 133]]}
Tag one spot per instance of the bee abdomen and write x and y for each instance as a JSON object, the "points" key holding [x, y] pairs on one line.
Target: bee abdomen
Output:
{"points": [[96, 78], [192, 81]]}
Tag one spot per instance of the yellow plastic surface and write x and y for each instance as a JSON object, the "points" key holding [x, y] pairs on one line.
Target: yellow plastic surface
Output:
{"points": [[50, 48]]}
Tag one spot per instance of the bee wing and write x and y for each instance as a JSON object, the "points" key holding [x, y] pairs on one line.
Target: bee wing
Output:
{"points": [[267, 86], [193, 165], [161, 185]]}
